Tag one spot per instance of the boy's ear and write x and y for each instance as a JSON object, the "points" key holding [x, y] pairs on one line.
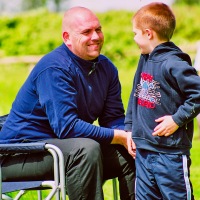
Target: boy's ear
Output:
{"points": [[149, 33]]}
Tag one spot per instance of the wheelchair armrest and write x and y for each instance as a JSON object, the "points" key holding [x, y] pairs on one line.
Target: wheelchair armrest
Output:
{"points": [[22, 147]]}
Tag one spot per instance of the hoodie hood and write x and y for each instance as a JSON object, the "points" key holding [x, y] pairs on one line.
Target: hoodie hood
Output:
{"points": [[164, 50]]}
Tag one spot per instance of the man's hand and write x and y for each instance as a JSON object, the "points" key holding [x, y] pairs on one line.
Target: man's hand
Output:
{"points": [[124, 138], [166, 126]]}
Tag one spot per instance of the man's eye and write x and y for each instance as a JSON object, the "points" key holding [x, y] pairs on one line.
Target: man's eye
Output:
{"points": [[98, 30], [86, 32]]}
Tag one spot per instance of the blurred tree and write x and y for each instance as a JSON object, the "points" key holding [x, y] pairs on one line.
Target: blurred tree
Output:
{"points": [[57, 3], [188, 2], [34, 4]]}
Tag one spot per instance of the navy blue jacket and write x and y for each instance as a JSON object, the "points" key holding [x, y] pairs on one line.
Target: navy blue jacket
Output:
{"points": [[165, 83], [63, 96]]}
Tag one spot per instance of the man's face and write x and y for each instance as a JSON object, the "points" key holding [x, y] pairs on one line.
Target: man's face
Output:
{"points": [[86, 38]]}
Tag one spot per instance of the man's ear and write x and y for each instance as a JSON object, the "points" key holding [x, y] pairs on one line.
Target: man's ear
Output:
{"points": [[65, 36], [149, 33]]}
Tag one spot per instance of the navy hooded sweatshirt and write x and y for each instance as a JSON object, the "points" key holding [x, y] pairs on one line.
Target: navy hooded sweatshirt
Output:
{"points": [[165, 83], [62, 97]]}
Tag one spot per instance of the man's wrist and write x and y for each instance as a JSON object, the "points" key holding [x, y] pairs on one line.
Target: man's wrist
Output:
{"points": [[120, 137]]}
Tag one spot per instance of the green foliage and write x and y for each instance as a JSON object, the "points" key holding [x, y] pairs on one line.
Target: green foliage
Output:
{"points": [[187, 2], [11, 79], [32, 4], [38, 32], [30, 33], [187, 28], [119, 45]]}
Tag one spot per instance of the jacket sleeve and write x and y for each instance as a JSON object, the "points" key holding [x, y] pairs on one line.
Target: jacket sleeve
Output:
{"points": [[57, 98], [188, 83], [113, 112]]}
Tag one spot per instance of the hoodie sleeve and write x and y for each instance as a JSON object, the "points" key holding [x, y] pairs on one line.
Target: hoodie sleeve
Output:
{"points": [[128, 118], [188, 83]]}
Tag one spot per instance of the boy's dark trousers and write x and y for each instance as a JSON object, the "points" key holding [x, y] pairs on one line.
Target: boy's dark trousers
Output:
{"points": [[162, 176]]}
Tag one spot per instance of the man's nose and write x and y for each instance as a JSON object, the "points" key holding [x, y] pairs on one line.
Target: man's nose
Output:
{"points": [[95, 35]]}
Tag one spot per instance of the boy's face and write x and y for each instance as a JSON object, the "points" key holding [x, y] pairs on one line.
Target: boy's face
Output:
{"points": [[142, 40]]}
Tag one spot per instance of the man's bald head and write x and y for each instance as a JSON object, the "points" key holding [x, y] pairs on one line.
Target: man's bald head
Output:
{"points": [[75, 15]]}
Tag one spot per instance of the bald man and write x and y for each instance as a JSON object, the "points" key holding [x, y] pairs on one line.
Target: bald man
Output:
{"points": [[67, 90]]}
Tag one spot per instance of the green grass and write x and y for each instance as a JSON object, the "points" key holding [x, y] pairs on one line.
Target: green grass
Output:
{"points": [[11, 78], [195, 167]]}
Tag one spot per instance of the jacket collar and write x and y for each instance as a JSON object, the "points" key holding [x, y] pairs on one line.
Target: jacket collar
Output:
{"points": [[85, 65]]}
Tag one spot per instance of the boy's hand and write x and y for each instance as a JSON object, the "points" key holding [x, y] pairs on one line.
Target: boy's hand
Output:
{"points": [[131, 145], [166, 126]]}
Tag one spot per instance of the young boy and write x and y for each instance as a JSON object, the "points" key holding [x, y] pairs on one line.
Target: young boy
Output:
{"points": [[164, 100]]}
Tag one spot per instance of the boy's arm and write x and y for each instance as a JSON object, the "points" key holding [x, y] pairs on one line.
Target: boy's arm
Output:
{"points": [[186, 82], [128, 117], [128, 128], [167, 124]]}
